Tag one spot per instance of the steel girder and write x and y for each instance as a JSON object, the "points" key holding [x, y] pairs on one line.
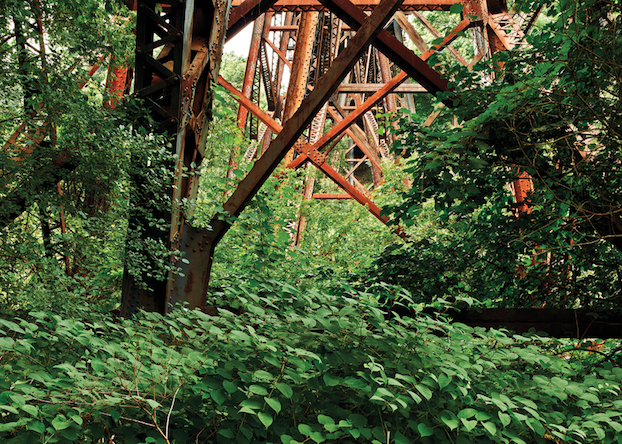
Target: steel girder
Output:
{"points": [[195, 281], [476, 15], [178, 51], [179, 44], [176, 84]]}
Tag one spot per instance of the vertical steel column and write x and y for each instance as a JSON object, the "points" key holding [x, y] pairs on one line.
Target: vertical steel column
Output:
{"points": [[299, 77], [278, 76], [158, 82], [204, 51]]}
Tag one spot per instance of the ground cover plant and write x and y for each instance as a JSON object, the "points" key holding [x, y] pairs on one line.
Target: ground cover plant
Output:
{"points": [[296, 367]]}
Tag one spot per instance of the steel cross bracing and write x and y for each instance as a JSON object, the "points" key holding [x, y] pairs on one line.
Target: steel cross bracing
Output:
{"points": [[325, 67], [342, 58]]}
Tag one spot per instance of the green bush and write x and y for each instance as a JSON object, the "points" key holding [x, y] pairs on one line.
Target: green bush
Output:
{"points": [[295, 367]]}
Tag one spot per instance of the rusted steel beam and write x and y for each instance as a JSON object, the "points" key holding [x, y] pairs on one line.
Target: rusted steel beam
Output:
{"points": [[352, 88], [116, 84], [281, 62], [366, 106], [410, 30], [385, 76], [298, 161], [464, 24], [174, 82], [195, 287], [336, 196], [556, 322], [250, 106], [393, 49], [371, 146], [501, 35], [358, 137], [158, 82], [284, 28], [247, 86], [437, 35], [203, 46], [245, 12], [315, 5], [318, 160], [299, 78], [280, 53], [251, 68]]}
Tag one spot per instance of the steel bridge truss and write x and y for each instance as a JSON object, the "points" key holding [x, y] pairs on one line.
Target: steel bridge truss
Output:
{"points": [[325, 67]]}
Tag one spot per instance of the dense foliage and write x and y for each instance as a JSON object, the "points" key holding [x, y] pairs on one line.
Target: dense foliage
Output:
{"points": [[298, 366], [548, 120], [312, 352]]}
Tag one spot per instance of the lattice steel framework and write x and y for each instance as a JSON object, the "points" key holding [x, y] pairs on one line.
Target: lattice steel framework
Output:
{"points": [[325, 67]]}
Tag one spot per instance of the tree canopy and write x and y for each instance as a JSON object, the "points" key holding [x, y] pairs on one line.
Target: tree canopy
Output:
{"points": [[547, 122]]}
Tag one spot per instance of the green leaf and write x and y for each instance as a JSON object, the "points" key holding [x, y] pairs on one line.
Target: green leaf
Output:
{"points": [[456, 8], [285, 389], [10, 409], [10, 426], [589, 397], [330, 380], [305, 429], [97, 364], [469, 425], [504, 418], [153, 403], [482, 416], [265, 419], [425, 430], [323, 419], [263, 375], [218, 396], [227, 433], [274, 404], [466, 413], [425, 391], [357, 420], [258, 390], [450, 420], [443, 380], [60, 422], [414, 396], [317, 436], [401, 439], [490, 427], [37, 426], [230, 387]]}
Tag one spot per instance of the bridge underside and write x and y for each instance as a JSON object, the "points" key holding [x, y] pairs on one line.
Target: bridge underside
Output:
{"points": [[318, 75]]}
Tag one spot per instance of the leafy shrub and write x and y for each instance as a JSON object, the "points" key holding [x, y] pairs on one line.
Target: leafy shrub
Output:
{"points": [[296, 367]]}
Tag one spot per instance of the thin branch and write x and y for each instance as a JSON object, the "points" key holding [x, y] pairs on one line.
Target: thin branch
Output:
{"points": [[168, 417]]}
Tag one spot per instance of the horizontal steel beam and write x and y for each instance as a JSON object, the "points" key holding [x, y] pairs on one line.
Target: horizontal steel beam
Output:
{"points": [[350, 88], [555, 322], [331, 196], [315, 5], [395, 50]]}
